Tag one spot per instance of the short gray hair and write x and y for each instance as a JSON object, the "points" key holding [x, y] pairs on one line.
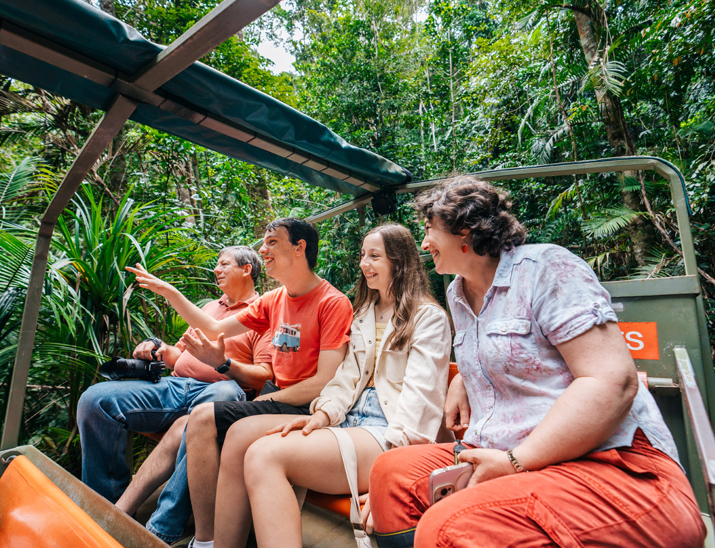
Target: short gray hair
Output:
{"points": [[244, 255]]}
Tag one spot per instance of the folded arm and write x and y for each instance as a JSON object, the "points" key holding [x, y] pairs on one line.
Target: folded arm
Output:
{"points": [[583, 417], [594, 405]]}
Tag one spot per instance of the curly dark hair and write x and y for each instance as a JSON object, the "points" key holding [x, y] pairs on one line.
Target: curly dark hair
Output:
{"points": [[467, 202]]}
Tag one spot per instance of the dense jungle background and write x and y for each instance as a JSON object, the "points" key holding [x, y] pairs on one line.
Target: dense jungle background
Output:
{"points": [[440, 87]]}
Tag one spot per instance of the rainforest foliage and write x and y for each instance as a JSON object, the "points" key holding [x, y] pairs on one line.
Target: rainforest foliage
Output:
{"points": [[440, 87]]}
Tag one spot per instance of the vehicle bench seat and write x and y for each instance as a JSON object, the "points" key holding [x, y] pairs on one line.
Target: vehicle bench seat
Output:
{"points": [[35, 512]]}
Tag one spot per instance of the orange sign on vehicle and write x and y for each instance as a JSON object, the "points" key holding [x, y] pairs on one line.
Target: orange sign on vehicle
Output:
{"points": [[641, 339]]}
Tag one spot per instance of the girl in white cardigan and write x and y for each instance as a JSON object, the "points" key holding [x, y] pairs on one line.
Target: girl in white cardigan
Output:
{"points": [[389, 391]]}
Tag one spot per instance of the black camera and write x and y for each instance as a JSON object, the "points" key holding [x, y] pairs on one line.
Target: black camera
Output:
{"points": [[130, 368]]}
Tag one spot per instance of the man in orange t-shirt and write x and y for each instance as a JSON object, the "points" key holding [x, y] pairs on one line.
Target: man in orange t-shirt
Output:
{"points": [[108, 409], [309, 321]]}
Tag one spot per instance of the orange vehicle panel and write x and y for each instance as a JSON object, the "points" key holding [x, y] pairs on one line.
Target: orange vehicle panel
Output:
{"points": [[35, 512]]}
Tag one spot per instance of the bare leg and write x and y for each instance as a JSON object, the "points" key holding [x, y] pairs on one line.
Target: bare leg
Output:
{"points": [[155, 470], [202, 462], [233, 512], [272, 464]]}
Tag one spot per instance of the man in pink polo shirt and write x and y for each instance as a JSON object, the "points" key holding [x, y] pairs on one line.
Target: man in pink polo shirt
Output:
{"points": [[108, 409]]}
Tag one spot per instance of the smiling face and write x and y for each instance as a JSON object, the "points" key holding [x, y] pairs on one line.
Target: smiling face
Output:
{"points": [[278, 253], [374, 263], [444, 246], [229, 275]]}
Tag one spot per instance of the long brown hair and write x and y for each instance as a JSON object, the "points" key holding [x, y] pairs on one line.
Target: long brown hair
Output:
{"points": [[408, 284]]}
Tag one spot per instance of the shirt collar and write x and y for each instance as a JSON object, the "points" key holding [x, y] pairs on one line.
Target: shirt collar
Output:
{"points": [[239, 304], [502, 277]]}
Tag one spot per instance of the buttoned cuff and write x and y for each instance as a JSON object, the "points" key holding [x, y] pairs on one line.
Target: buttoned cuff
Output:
{"points": [[598, 314]]}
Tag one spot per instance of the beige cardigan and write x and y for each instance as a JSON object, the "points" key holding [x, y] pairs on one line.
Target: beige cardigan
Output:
{"points": [[411, 383]]}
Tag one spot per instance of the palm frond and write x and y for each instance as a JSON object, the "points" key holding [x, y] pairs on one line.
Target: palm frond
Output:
{"points": [[609, 221]]}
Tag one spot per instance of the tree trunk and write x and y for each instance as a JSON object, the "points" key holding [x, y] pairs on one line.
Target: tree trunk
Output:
{"points": [[619, 137], [260, 197], [107, 6]]}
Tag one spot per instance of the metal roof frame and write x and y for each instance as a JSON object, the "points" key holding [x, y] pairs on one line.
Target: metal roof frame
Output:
{"points": [[169, 63], [222, 22]]}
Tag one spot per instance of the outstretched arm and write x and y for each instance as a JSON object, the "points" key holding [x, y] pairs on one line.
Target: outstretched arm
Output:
{"points": [[192, 314]]}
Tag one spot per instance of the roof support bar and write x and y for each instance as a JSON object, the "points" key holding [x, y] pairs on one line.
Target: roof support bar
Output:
{"points": [[216, 27], [337, 210], [606, 165], [102, 135], [140, 89]]}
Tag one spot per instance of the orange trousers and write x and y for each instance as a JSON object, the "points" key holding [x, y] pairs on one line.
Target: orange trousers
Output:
{"points": [[633, 496]]}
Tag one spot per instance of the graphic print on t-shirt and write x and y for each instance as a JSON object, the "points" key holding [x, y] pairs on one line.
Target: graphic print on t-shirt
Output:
{"points": [[287, 338]]}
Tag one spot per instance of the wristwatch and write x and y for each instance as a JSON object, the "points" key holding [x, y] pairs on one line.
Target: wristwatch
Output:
{"points": [[156, 340], [224, 367]]}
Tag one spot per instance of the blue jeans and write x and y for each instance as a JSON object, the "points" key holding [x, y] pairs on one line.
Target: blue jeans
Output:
{"points": [[367, 414], [107, 410]]}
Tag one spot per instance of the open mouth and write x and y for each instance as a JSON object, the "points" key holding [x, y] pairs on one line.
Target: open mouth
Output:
{"points": [[370, 275]]}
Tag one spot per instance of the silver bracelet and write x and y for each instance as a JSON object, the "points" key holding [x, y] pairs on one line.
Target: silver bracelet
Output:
{"points": [[515, 462]]}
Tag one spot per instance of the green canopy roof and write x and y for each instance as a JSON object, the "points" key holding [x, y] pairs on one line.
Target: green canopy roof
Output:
{"points": [[70, 48]]}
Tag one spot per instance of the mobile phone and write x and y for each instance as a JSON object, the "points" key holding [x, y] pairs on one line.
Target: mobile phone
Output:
{"points": [[445, 481]]}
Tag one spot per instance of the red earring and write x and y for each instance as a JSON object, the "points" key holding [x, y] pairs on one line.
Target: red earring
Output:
{"points": [[464, 248]]}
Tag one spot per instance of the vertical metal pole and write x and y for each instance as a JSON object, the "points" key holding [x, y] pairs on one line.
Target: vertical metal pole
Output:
{"points": [[691, 268], [106, 129], [681, 214]]}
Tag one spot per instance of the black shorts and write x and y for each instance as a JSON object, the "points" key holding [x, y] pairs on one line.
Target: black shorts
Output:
{"points": [[228, 412]]}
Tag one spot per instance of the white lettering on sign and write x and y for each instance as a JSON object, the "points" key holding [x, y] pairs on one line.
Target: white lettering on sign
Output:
{"points": [[635, 338], [641, 338]]}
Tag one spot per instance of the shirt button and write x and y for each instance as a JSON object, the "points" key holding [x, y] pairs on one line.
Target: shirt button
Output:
{"points": [[359, 321], [503, 329], [385, 402], [369, 342]]}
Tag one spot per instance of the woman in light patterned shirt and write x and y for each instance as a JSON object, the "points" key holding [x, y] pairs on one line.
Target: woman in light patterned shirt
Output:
{"points": [[568, 448]]}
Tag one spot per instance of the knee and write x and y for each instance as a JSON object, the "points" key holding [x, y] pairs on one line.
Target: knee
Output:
{"points": [[202, 421], [239, 438], [429, 527], [229, 391], [257, 456], [262, 460], [89, 402], [383, 479]]}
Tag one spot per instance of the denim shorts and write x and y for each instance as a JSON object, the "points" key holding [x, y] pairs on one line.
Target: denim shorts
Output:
{"points": [[367, 414]]}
